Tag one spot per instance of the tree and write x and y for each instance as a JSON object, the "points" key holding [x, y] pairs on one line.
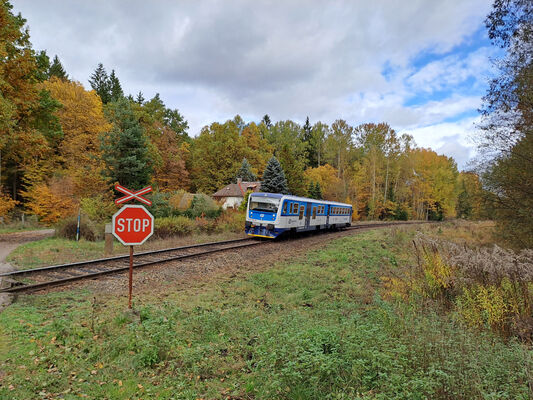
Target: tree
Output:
{"points": [[124, 149], [507, 123], [99, 81], [245, 172], [274, 180], [82, 121], [57, 70], [318, 191], [140, 98], [266, 121], [115, 89], [311, 193], [21, 143]]}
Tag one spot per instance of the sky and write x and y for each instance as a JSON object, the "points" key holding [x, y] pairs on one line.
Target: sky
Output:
{"points": [[422, 66]]}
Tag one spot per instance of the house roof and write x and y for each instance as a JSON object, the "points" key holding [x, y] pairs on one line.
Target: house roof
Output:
{"points": [[238, 189]]}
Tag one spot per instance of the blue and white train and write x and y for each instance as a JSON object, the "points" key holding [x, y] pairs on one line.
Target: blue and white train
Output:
{"points": [[269, 215]]}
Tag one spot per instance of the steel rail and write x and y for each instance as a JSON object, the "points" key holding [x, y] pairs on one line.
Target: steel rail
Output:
{"points": [[42, 285], [92, 274], [107, 259]]}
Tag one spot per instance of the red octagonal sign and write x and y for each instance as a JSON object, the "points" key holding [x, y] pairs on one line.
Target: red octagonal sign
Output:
{"points": [[133, 224]]}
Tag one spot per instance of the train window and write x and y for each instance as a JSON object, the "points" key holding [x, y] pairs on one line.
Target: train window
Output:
{"points": [[294, 208], [314, 212], [302, 208], [285, 207]]}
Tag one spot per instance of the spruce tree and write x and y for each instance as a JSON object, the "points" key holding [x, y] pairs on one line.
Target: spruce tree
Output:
{"points": [[115, 89], [311, 191], [274, 180], [100, 83], [124, 149], [56, 69], [266, 120], [140, 98], [245, 172], [318, 191]]}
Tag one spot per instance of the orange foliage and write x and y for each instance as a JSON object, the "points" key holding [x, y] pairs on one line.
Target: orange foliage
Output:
{"points": [[51, 202], [170, 173], [6, 204]]}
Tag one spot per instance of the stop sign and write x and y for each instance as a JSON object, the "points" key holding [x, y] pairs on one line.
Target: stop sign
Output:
{"points": [[133, 224]]}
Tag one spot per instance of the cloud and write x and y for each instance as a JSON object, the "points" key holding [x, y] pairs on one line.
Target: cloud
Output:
{"points": [[215, 59]]}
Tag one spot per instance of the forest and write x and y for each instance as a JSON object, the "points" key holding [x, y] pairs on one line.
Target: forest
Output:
{"points": [[63, 147]]}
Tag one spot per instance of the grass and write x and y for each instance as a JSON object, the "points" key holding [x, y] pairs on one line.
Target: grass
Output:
{"points": [[51, 251], [312, 328]]}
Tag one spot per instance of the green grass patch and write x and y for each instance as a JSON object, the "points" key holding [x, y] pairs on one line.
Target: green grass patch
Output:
{"points": [[55, 250], [312, 328]]}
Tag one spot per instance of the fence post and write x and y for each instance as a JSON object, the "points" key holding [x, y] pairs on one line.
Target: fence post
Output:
{"points": [[108, 249]]}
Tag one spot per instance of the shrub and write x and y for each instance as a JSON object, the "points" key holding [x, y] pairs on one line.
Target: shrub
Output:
{"points": [[160, 207], [88, 230], [6, 204], [490, 287], [230, 221], [98, 208], [203, 206], [50, 203], [173, 226]]}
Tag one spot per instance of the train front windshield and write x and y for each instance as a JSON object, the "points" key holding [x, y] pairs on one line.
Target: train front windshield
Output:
{"points": [[264, 204]]}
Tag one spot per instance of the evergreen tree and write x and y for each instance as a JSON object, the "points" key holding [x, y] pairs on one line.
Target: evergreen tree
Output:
{"points": [[100, 83], [318, 191], [311, 191], [43, 66], [311, 156], [56, 69], [274, 180], [140, 98], [115, 89], [266, 120], [124, 149], [245, 172]]}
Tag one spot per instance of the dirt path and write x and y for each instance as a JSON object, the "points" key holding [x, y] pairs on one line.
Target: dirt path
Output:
{"points": [[8, 243]]}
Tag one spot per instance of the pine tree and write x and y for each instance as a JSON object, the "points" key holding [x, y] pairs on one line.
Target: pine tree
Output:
{"points": [[115, 89], [245, 172], [140, 98], [274, 180], [100, 83], [125, 151], [56, 69]]}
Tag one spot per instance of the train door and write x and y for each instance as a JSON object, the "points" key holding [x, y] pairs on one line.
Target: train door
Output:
{"points": [[308, 215]]}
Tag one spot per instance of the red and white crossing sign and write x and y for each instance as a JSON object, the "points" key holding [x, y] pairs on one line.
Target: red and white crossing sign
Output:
{"points": [[133, 194], [133, 224]]}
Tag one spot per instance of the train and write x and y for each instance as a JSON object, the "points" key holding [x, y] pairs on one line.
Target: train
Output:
{"points": [[270, 215]]}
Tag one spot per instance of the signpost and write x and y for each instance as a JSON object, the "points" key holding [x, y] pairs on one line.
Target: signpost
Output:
{"points": [[132, 224]]}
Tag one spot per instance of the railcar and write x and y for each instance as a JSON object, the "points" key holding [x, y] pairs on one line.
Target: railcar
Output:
{"points": [[270, 215]]}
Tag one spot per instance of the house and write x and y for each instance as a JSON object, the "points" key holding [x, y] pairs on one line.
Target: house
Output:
{"points": [[232, 195]]}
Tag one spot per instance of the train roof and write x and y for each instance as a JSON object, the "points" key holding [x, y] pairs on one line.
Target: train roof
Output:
{"points": [[297, 198]]}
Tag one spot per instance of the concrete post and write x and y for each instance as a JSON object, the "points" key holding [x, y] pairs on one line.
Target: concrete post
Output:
{"points": [[108, 239]]}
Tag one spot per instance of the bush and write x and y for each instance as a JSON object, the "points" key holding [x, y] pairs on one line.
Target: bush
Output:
{"points": [[173, 226], [161, 207], [88, 230], [99, 208], [230, 221], [203, 206]]}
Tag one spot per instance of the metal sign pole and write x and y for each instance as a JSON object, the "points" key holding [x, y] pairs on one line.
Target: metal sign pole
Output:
{"points": [[131, 275]]}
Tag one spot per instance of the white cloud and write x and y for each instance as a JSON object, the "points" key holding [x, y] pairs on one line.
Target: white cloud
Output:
{"points": [[213, 59]]}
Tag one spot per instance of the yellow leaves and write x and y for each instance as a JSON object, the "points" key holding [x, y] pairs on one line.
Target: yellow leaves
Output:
{"points": [[6, 204], [50, 203], [330, 183]]}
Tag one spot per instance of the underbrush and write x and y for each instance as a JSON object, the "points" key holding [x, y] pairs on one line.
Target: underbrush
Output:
{"points": [[312, 328], [229, 221], [487, 286]]}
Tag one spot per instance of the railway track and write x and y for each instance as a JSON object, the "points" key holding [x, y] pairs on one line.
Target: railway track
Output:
{"points": [[36, 279]]}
